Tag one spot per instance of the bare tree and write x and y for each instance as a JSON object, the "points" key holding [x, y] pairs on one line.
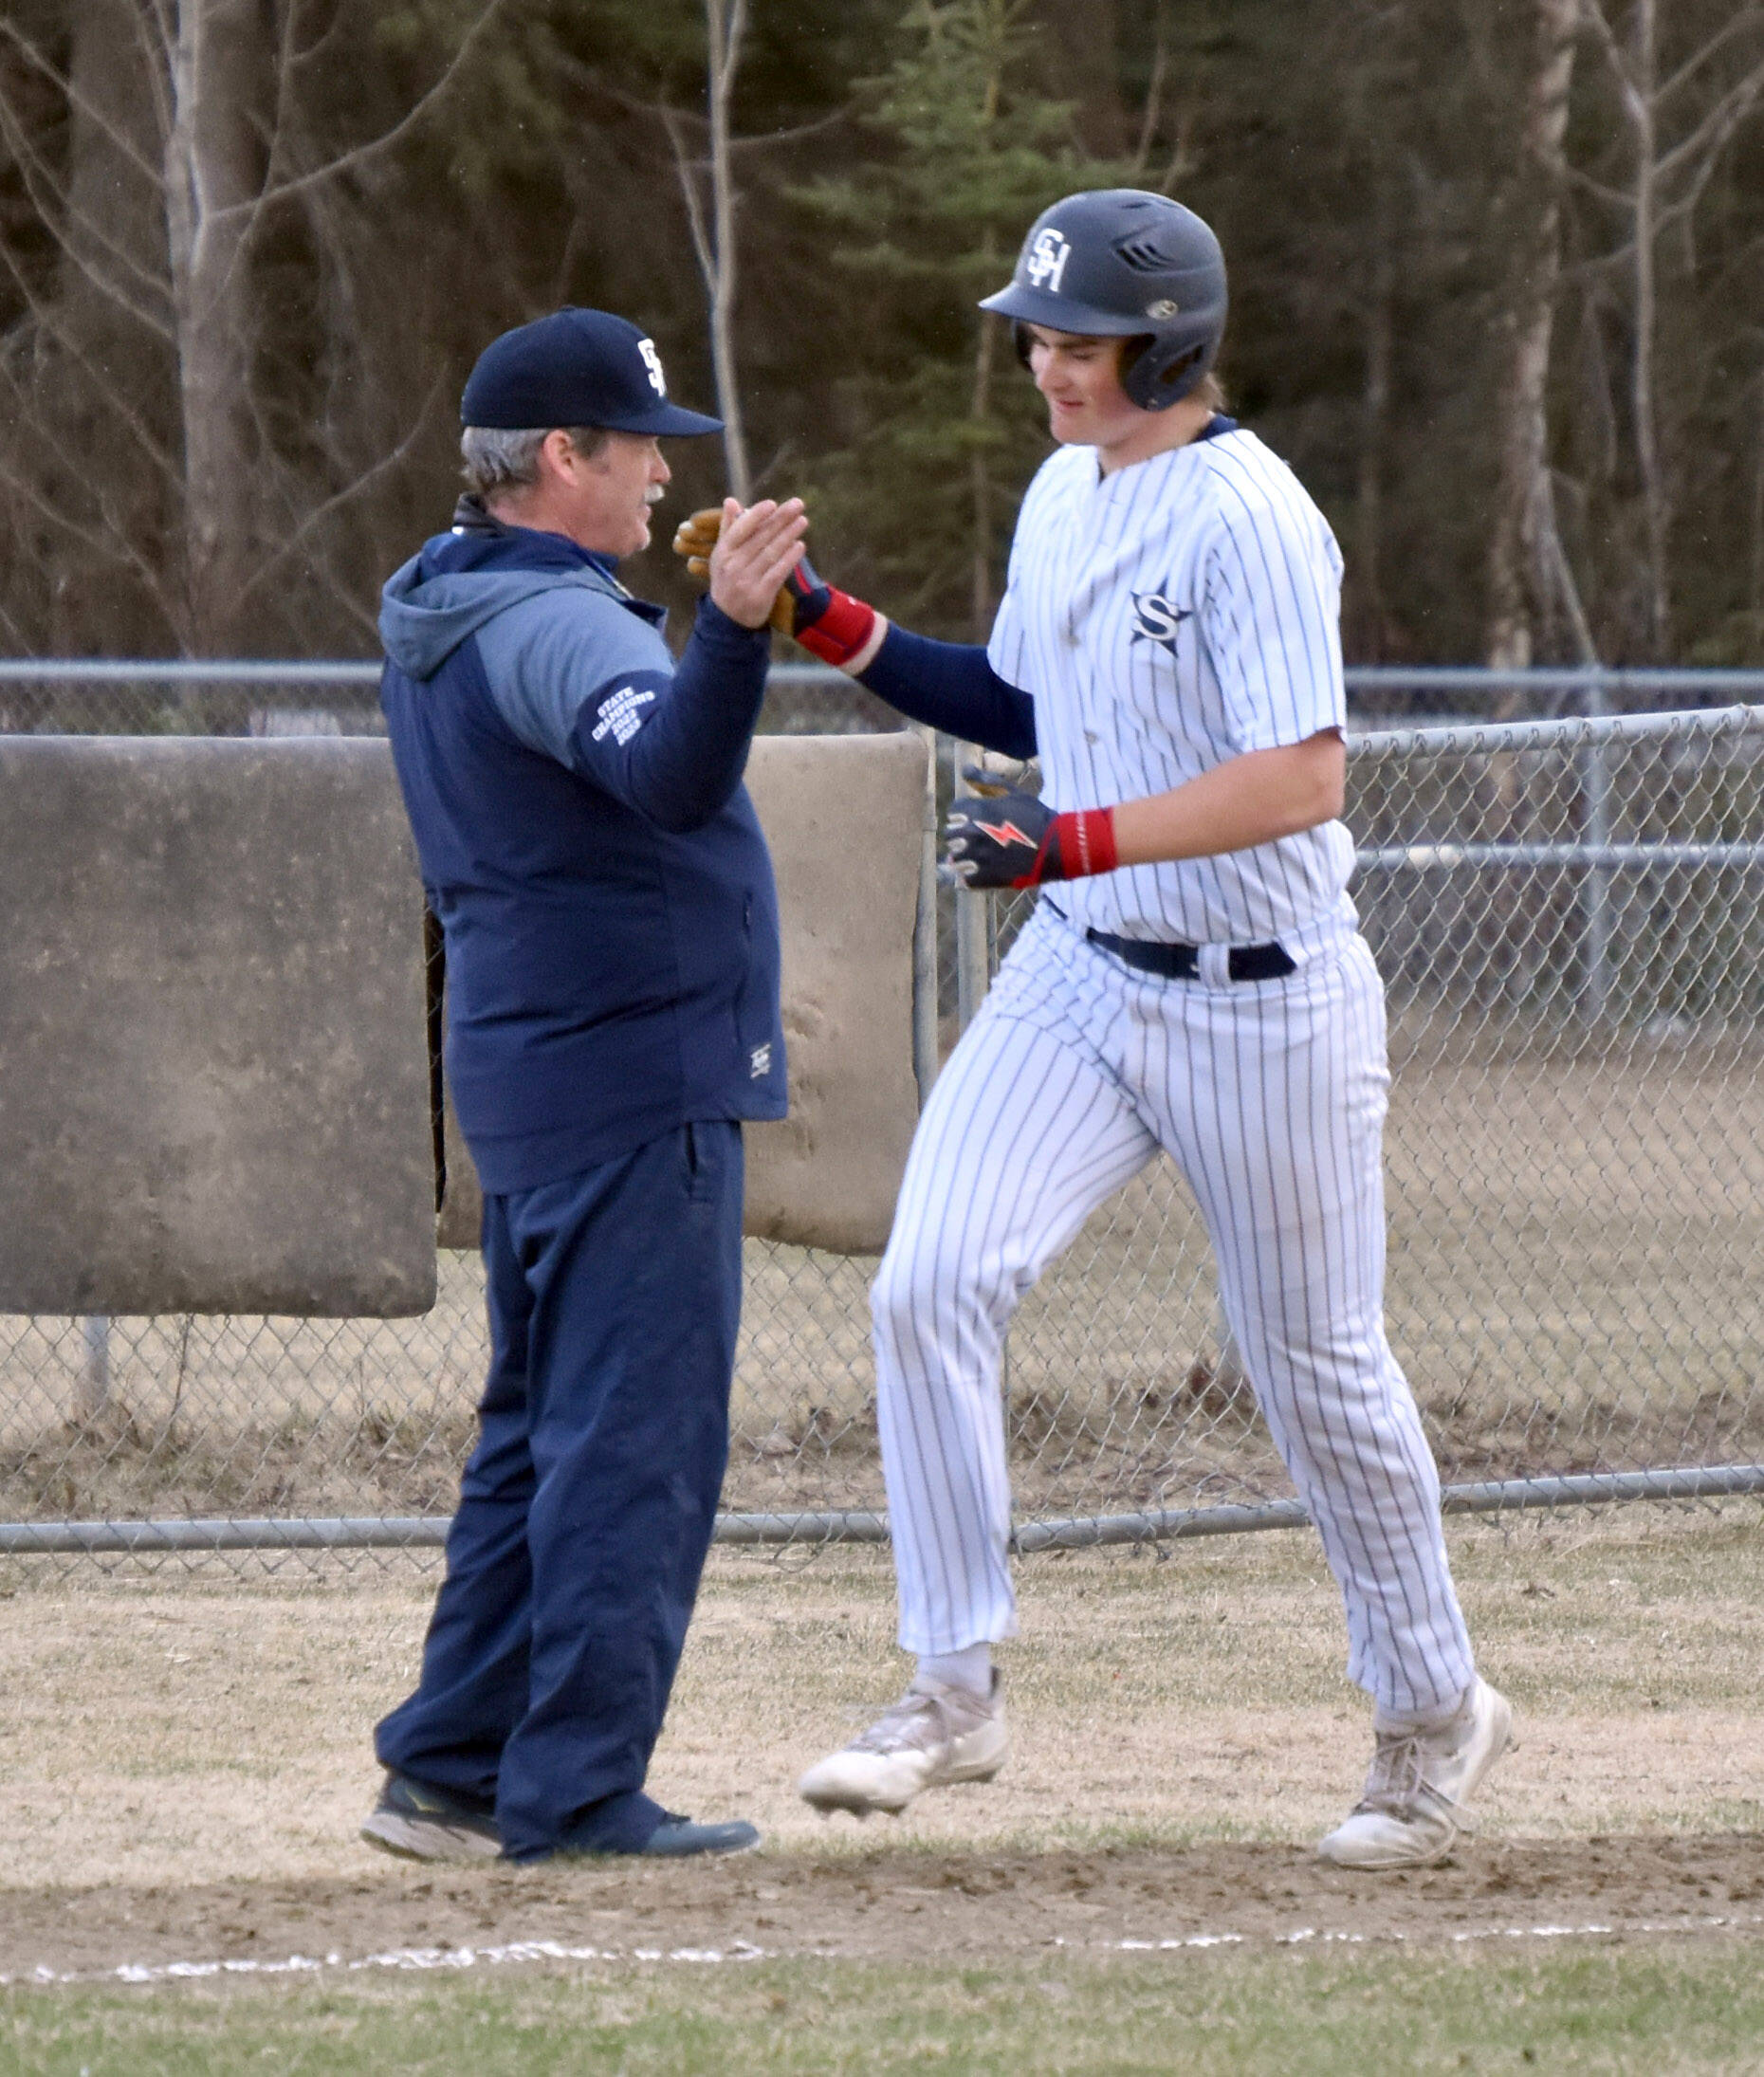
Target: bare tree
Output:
{"points": [[1679, 122], [713, 226], [1525, 564], [705, 151], [190, 110], [78, 373], [211, 72]]}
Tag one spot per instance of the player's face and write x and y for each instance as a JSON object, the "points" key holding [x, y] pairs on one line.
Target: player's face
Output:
{"points": [[1080, 376], [608, 496]]}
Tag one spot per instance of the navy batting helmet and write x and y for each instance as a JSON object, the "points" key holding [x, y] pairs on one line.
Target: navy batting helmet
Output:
{"points": [[1122, 262]]}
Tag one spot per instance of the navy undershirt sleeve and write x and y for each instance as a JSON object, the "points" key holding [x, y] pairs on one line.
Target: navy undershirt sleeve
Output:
{"points": [[953, 686]]}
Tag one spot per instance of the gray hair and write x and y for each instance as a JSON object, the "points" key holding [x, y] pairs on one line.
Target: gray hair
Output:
{"points": [[506, 458]]}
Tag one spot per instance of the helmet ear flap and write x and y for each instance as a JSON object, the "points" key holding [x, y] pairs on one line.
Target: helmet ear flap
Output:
{"points": [[1133, 351], [1154, 382]]}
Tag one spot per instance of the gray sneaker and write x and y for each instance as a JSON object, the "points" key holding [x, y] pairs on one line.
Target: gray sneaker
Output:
{"points": [[675, 1838], [419, 1821], [933, 1735], [1413, 1807]]}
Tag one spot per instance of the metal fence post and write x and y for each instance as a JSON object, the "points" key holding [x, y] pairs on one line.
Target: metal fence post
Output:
{"points": [[973, 954], [1595, 782], [94, 1396], [973, 921], [925, 933]]}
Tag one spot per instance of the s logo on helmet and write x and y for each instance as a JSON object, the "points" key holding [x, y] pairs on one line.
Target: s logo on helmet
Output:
{"points": [[1047, 260], [652, 360]]}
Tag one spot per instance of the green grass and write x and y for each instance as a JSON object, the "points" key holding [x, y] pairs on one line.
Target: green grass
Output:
{"points": [[1656, 2010]]}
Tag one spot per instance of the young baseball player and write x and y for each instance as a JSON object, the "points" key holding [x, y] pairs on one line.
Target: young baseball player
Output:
{"points": [[1168, 647]]}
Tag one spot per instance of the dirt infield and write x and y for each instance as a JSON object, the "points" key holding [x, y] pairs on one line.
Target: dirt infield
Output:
{"points": [[892, 1906], [183, 1766]]}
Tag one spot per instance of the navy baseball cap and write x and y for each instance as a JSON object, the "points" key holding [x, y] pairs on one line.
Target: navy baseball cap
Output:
{"points": [[575, 368]]}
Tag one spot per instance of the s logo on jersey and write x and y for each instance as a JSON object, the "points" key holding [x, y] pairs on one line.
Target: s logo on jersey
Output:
{"points": [[1157, 618]]}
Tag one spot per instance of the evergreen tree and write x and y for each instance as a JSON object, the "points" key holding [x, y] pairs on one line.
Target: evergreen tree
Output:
{"points": [[916, 489]]}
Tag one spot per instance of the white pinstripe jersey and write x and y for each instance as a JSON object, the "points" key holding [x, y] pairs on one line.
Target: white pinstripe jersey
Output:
{"points": [[1164, 618]]}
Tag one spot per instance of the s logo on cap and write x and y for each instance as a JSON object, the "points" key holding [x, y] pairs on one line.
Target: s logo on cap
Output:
{"points": [[652, 360]]}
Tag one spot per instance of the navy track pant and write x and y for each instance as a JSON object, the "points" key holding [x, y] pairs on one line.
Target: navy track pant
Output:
{"points": [[586, 1509]]}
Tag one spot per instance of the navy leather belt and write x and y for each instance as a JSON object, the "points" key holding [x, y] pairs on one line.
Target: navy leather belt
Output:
{"points": [[1183, 961]]}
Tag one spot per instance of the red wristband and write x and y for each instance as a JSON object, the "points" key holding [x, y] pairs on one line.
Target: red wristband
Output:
{"points": [[1086, 841], [837, 635]]}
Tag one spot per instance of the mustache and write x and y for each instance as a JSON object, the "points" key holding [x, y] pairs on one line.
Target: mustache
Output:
{"points": [[653, 493]]}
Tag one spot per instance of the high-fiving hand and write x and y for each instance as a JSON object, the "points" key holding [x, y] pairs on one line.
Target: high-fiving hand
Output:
{"points": [[753, 552], [828, 623]]}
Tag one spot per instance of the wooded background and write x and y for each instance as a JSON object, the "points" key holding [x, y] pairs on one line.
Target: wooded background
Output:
{"points": [[1494, 270]]}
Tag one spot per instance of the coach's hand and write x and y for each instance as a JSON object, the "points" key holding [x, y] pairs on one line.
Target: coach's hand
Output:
{"points": [[828, 623], [1014, 840], [755, 551]]}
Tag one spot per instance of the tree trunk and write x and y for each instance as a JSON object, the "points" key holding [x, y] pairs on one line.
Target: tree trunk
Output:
{"points": [[1374, 433], [1521, 577], [1754, 588], [115, 220], [219, 61], [1639, 98], [980, 478], [725, 22], [1081, 64], [100, 388]]}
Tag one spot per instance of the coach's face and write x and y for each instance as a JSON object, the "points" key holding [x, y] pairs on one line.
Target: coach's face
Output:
{"points": [[604, 499], [1080, 376]]}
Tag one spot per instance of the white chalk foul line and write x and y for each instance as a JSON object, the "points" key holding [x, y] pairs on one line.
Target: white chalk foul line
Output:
{"points": [[1301, 1935], [456, 1958], [395, 1958]]}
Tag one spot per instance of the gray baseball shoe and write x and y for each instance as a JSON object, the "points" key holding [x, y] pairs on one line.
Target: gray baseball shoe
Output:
{"points": [[1414, 1806], [933, 1735], [419, 1822], [675, 1838]]}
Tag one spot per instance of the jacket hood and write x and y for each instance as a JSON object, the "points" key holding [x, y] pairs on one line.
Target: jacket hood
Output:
{"points": [[461, 579]]}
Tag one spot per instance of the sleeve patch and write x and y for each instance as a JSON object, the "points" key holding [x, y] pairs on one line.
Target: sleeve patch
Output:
{"points": [[621, 714]]}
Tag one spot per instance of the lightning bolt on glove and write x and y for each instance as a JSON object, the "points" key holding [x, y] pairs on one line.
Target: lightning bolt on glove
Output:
{"points": [[828, 623], [1014, 840]]}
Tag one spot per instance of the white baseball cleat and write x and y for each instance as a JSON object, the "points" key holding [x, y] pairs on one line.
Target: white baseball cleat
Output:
{"points": [[933, 1735], [1414, 1803]]}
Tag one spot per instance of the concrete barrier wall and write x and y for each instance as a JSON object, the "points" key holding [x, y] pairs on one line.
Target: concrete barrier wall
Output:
{"points": [[843, 815], [214, 1078], [213, 1085]]}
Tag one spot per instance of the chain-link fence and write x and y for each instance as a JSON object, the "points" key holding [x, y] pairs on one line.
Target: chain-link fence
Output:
{"points": [[1568, 916]]}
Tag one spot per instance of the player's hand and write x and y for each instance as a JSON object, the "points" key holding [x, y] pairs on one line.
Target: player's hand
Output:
{"points": [[828, 623], [694, 539], [990, 784], [755, 551], [1012, 839], [1007, 840]]}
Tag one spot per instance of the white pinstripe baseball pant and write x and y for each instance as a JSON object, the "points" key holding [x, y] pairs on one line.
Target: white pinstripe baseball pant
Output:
{"points": [[1270, 1096]]}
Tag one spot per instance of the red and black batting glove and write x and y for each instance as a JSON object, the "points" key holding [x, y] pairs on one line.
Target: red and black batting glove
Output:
{"points": [[828, 623], [1014, 840]]}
